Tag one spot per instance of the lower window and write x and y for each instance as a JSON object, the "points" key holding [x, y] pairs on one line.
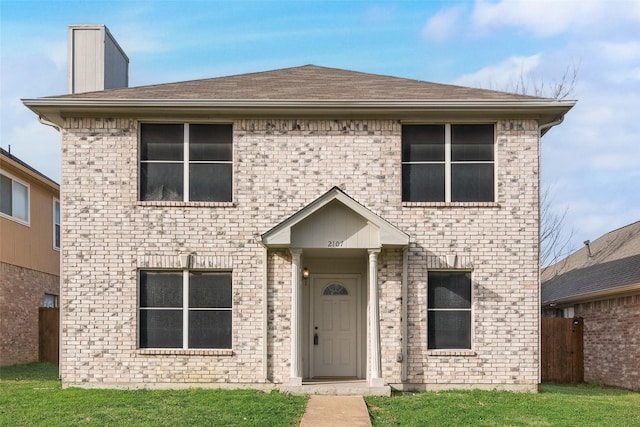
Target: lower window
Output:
{"points": [[185, 309], [449, 310]]}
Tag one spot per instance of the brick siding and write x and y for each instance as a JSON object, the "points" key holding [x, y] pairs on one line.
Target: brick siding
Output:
{"points": [[279, 167], [21, 294], [612, 341]]}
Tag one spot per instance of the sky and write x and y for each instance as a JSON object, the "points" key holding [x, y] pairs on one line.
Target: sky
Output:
{"points": [[590, 164]]}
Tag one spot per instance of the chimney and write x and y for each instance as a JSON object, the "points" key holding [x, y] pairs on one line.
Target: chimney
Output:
{"points": [[96, 60]]}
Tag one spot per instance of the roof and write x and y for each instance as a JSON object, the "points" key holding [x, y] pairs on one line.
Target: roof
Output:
{"points": [[612, 268], [296, 83], [310, 88], [28, 169]]}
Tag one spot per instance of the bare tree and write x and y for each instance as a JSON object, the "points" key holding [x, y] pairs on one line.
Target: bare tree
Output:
{"points": [[555, 241], [559, 89]]}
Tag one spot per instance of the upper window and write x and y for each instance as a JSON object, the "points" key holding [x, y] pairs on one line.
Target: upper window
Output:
{"points": [[14, 198], [448, 163], [449, 310], [186, 162], [56, 224], [185, 309]]}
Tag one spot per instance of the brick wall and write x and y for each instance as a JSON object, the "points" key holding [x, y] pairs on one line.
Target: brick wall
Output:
{"points": [[279, 167], [21, 294], [612, 341]]}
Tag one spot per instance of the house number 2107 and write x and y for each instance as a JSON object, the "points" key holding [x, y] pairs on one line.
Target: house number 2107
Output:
{"points": [[335, 243]]}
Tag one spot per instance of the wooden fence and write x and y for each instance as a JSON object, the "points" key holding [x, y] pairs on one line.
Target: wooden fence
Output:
{"points": [[49, 334], [562, 350]]}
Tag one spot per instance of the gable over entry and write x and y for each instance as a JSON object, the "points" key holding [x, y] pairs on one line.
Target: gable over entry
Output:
{"points": [[335, 221]]}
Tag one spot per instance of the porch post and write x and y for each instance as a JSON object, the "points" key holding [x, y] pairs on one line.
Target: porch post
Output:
{"points": [[296, 318], [375, 376]]}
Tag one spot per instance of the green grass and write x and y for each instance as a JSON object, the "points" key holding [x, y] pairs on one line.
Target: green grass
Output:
{"points": [[31, 395], [555, 405]]}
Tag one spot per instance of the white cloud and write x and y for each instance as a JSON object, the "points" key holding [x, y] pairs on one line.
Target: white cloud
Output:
{"points": [[540, 17], [625, 51], [504, 75], [444, 24]]}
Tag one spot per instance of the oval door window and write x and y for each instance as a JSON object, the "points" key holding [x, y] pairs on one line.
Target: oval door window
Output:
{"points": [[335, 289]]}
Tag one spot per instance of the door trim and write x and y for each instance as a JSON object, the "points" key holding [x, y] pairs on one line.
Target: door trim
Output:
{"points": [[359, 332]]}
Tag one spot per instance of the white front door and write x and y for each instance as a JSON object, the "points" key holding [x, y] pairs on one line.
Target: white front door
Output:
{"points": [[334, 327]]}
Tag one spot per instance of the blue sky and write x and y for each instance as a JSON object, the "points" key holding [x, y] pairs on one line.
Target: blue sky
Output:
{"points": [[591, 163]]}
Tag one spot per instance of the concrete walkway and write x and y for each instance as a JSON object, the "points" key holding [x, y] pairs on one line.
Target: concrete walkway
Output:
{"points": [[336, 411]]}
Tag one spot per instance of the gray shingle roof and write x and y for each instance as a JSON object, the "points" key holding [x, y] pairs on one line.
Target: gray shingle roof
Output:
{"points": [[308, 82], [614, 263]]}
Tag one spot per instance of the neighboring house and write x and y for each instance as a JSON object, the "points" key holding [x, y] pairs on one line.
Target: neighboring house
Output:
{"points": [[308, 223], [601, 284], [29, 256]]}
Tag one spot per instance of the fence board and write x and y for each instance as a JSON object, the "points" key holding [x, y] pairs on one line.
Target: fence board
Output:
{"points": [[562, 350]]}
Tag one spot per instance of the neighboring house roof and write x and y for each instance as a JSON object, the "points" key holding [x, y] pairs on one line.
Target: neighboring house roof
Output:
{"points": [[29, 170], [612, 269], [317, 90]]}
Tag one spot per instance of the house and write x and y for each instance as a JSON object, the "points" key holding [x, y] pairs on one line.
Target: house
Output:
{"points": [[299, 226], [601, 284], [29, 256]]}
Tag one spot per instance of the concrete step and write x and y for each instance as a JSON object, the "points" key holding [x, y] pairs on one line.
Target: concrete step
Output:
{"points": [[337, 388]]}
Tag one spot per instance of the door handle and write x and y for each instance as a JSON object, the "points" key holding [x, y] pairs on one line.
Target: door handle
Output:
{"points": [[315, 339]]}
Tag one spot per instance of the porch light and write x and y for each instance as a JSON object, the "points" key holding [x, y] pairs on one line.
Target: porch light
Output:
{"points": [[305, 273]]}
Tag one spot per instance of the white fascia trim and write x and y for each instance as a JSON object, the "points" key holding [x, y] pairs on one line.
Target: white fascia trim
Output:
{"points": [[326, 103], [609, 293]]}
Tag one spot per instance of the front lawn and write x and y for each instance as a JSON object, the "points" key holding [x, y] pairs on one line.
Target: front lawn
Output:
{"points": [[31, 395], [555, 405]]}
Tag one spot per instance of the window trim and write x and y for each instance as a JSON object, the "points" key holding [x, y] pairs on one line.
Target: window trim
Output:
{"points": [[448, 162], [185, 349], [26, 184], [59, 224], [452, 351], [56, 300], [185, 162]]}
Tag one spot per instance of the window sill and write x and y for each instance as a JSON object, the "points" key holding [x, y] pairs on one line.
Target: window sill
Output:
{"points": [[450, 204], [464, 353], [14, 219], [187, 204], [183, 352]]}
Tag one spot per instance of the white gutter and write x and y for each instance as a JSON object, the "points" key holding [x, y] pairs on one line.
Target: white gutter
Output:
{"points": [[610, 293], [469, 103], [48, 123], [544, 128]]}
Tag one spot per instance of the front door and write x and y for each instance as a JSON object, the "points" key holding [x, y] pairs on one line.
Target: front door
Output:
{"points": [[334, 327]]}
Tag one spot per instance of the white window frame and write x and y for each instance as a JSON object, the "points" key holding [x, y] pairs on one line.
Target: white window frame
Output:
{"points": [[58, 224], [470, 310], [186, 161], [55, 299], [25, 184], [185, 308], [448, 162]]}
